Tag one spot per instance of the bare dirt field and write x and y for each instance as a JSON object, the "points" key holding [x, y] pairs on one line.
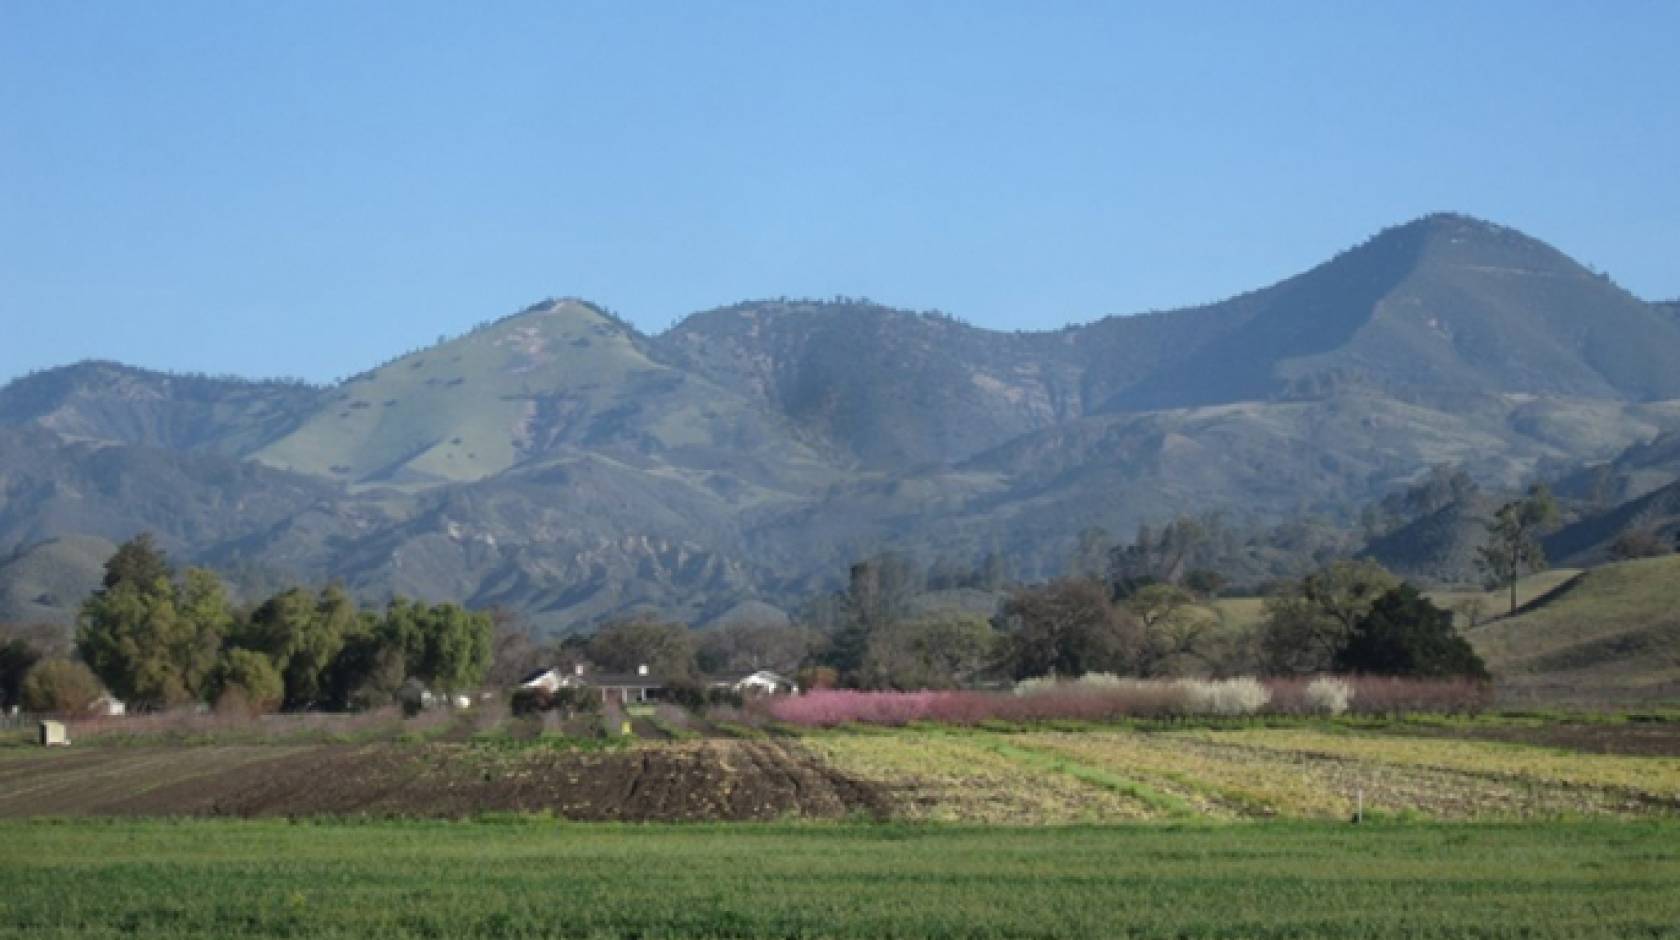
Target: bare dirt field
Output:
{"points": [[1638, 738], [713, 779]]}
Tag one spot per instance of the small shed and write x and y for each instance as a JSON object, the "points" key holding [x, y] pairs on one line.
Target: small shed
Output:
{"points": [[54, 734]]}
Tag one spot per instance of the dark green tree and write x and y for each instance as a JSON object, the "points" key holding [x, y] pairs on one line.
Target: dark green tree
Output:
{"points": [[17, 657], [1404, 634], [138, 560], [1308, 621]]}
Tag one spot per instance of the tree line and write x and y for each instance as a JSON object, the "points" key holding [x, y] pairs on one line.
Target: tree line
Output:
{"points": [[156, 638]]}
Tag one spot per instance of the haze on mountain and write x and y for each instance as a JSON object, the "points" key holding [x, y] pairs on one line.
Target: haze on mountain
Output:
{"points": [[561, 463]]}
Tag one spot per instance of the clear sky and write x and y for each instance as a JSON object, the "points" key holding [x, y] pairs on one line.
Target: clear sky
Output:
{"points": [[307, 188]]}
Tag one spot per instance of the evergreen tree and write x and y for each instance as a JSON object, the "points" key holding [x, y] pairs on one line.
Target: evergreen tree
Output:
{"points": [[1404, 634]]}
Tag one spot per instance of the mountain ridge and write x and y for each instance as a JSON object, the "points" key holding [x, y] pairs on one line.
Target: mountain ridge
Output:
{"points": [[561, 462]]}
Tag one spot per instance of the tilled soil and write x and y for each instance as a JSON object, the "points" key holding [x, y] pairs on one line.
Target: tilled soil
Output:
{"points": [[1638, 739], [702, 780]]}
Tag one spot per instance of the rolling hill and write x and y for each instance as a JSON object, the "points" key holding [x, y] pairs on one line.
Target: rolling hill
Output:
{"points": [[1611, 632], [559, 462]]}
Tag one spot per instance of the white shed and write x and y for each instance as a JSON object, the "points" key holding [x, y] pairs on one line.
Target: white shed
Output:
{"points": [[54, 734]]}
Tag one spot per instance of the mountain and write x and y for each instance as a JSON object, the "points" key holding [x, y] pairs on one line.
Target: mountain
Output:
{"points": [[1438, 307], [46, 582], [112, 403], [1590, 540], [1642, 468], [559, 462]]}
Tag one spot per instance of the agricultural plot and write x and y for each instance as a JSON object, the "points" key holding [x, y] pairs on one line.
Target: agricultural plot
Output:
{"points": [[531, 878], [960, 778], [700, 780], [1116, 775], [1632, 781], [1084, 774]]}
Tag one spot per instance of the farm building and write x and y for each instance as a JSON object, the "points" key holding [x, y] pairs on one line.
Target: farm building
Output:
{"points": [[54, 734], [762, 682], [639, 686]]}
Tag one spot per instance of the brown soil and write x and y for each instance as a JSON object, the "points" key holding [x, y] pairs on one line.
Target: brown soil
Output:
{"points": [[702, 780], [1634, 738]]}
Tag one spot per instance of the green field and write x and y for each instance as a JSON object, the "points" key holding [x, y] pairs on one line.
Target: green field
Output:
{"points": [[531, 878]]}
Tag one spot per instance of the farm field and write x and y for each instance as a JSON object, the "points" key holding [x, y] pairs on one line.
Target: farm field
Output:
{"points": [[527, 878], [1489, 768]]}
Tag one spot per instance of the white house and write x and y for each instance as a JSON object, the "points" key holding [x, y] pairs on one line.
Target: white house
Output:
{"points": [[765, 682], [551, 679]]}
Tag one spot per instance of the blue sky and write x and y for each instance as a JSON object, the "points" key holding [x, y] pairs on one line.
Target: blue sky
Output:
{"points": [[308, 188]]}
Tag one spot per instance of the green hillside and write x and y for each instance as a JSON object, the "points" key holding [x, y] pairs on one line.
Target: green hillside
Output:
{"points": [[1613, 630], [45, 583], [560, 375]]}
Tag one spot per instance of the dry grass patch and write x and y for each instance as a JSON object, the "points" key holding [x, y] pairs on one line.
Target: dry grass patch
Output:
{"points": [[953, 778]]}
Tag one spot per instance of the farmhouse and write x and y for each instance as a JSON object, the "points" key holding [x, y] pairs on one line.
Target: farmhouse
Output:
{"points": [[762, 682], [639, 686], [643, 686]]}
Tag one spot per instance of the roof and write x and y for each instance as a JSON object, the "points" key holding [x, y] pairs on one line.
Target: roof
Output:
{"points": [[538, 674]]}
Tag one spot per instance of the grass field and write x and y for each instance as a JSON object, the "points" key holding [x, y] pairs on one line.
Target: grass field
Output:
{"points": [[535, 878], [1613, 631]]}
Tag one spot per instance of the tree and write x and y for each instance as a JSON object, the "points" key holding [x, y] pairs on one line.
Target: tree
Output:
{"points": [[139, 561], [878, 593], [1513, 546], [1307, 622], [1404, 634], [665, 648], [1068, 627], [301, 633], [1156, 557], [514, 651], [17, 657], [152, 642], [247, 680], [747, 647], [61, 686], [444, 645], [942, 651], [1171, 626]]}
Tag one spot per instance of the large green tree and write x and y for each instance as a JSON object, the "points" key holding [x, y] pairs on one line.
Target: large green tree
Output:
{"points": [[1306, 622], [667, 649], [1066, 628], [1513, 546], [152, 641], [444, 646], [301, 632], [940, 651], [1404, 634]]}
